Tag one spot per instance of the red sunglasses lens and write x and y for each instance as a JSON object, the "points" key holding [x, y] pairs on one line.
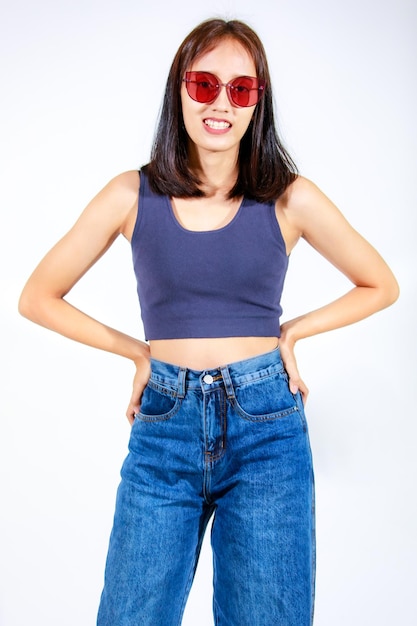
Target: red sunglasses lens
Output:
{"points": [[202, 86], [244, 91]]}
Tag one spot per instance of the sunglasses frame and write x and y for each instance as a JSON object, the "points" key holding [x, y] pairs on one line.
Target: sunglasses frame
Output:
{"points": [[190, 77]]}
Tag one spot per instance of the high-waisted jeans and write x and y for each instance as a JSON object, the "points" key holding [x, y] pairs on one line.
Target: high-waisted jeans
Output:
{"points": [[231, 443]]}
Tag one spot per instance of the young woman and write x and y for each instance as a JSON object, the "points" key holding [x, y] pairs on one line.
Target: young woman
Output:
{"points": [[217, 408]]}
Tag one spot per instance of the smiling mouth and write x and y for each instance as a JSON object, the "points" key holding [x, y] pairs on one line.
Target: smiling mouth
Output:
{"points": [[217, 125]]}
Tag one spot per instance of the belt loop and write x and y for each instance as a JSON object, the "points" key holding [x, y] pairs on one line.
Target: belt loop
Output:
{"points": [[181, 382], [227, 382]]}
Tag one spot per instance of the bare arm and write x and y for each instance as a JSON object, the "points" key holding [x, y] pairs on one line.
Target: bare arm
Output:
{"points": [[315, 218], [43, 298]]}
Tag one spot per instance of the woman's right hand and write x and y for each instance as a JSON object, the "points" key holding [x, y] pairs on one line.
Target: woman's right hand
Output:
{"points": [[140, 380]]}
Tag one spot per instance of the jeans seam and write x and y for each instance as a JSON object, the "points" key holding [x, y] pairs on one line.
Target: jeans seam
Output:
{"points": [[244, 381], [193, 568], [164, 417], [160, 388], [268, 417]]}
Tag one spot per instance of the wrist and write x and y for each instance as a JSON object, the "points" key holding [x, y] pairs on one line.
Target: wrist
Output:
{"points": [[289, 333], [142, 354]]}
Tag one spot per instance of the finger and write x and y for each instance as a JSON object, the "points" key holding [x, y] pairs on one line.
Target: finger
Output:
{"points": [[136, 397], [135, 400], [297, 384], [294, 379], [304, 392], [134, 403], [131, 414], [294, 386]]}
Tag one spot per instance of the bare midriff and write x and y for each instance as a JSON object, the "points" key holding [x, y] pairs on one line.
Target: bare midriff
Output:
{"points": [[210, 353]]}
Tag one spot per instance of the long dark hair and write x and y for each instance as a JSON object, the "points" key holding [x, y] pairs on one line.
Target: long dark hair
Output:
{"points": [[265, 167]]}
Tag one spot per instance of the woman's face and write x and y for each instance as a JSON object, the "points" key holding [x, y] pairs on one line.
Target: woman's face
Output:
{"points": [[219, 126]]}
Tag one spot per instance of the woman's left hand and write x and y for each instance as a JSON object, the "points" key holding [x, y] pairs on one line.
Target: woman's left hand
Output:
{"points": [[286, 346]]}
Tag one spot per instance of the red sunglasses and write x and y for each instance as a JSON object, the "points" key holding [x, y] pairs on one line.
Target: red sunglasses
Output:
{"points": [[244, 91]]}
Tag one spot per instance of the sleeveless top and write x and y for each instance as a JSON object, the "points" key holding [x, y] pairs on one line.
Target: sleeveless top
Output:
{"points": [[217, 283]]}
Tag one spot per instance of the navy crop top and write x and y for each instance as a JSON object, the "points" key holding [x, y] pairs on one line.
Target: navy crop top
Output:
{"points": [[218, 283]]}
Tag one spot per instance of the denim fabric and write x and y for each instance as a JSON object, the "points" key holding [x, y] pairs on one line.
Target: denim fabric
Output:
{"points": [[232, 443]]}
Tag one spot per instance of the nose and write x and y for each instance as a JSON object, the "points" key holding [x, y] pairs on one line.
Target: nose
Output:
{"points": [[222, 101]]}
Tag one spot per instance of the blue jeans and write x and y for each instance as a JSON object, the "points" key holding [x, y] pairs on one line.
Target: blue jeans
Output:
{"points": [[231, 443]]}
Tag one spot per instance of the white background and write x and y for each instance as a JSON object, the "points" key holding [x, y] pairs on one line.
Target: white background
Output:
{"points": [[81, 83]]}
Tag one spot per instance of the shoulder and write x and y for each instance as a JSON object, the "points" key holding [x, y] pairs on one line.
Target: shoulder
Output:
{"points": [[307, 208], [110, 210], [319, 221], [293, 208], [118, 200], [301, 194], [123, 188]]}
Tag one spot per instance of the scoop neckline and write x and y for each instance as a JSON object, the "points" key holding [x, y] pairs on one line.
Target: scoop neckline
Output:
{"points": [[203, 232]]}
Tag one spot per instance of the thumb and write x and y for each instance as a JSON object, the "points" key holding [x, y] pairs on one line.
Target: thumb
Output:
{"points": [[293, 386]]}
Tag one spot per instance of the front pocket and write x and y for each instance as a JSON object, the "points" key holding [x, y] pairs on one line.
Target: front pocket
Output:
{"points": [[157, 404], [265, 399]]}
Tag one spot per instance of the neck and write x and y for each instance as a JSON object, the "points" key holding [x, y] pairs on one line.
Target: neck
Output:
{"points": [[217, 170]]}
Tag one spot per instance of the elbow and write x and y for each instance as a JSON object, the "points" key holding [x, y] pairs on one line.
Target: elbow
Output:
{"points": [[26, 305], [32, 305], [393, 290], [395, 293], [390, 293]]}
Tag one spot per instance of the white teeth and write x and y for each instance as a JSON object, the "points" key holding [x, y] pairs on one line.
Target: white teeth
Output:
{"points": [[217, 125]]}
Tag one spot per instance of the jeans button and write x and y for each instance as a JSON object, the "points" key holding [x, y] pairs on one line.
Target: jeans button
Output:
{"points": [[208, 379]]}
